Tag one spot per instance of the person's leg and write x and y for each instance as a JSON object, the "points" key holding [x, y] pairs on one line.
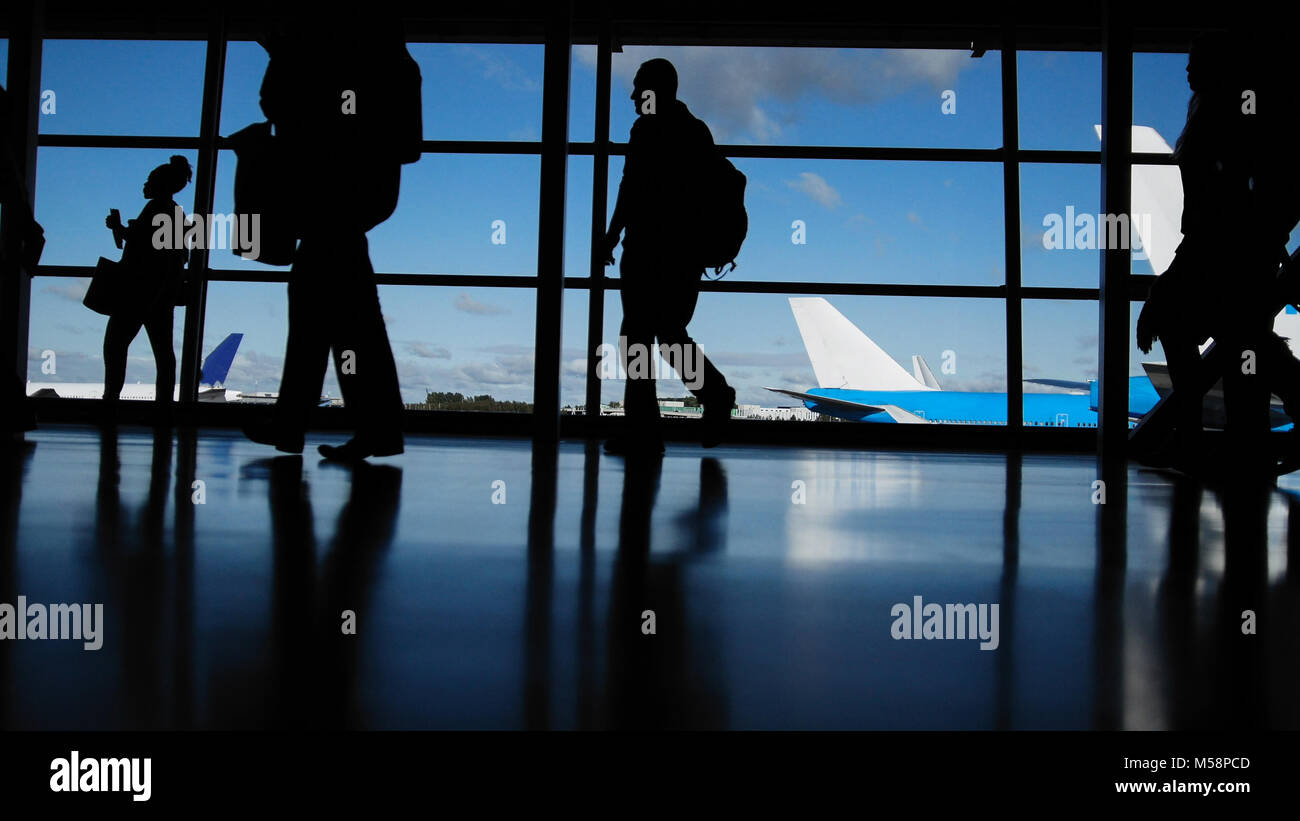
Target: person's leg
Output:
{"points": [[363, 355], [695, 369], [1246, 382], [306, 352], [159, 328], [119, 332], [697, 372], [1184, 361], [636, 352]]}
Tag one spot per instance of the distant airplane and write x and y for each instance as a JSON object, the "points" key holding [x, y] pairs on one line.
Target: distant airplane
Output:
{"points": [[211, 389], [857, 380]]}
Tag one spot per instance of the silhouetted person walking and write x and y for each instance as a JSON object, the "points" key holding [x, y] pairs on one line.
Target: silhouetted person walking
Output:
{"points": [[151, 285], [665, 172], [343, 95], [1221, 283], [20, 249]]}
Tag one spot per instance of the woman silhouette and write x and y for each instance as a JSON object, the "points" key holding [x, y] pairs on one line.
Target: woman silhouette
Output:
{"points": [[152, 283]]}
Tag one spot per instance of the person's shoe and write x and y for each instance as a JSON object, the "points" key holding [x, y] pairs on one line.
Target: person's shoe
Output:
{"points": [[358, 448], [269, 435], [634, 448], [716, 415]]}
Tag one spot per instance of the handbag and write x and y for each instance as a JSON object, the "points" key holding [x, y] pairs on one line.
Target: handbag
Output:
{"points": [[106, 286], [264, 187]]}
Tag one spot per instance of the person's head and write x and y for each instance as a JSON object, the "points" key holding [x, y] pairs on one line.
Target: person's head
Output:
{"points": [[169, 178], [1213, 62], [657, 75]]}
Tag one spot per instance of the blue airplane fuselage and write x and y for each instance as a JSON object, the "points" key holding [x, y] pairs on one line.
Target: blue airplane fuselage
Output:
{"points": [[975, 408]]}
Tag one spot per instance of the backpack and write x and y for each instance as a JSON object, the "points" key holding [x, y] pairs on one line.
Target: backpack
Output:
{"points": [[727, 222]]}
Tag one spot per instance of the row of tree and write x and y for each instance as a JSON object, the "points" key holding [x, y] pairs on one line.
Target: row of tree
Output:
{"points": [[439, 400]]}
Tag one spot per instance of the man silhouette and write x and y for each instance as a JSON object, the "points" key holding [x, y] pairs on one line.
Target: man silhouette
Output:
{"points": [[665, 170], [344, 96]]}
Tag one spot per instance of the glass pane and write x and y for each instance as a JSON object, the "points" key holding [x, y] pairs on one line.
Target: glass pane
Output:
{"points": [[471, 341], [822, 96], [76, 187], [65, 342], [755, 341], [463, 214], [1060, 99], [140, 87], [873, 221], [457, 214], [481, 91], [1059, 231], [1160, 93], [246, 63], [259, 311]]}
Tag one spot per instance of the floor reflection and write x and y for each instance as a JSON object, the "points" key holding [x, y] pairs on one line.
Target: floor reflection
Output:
{"points": [[248, 592]]}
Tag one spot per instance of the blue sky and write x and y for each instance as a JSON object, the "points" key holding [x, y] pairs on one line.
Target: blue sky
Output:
{"points": [[904, 222]]}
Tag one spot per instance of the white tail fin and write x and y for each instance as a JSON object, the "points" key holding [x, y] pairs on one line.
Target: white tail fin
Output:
{"points": [[1156, 206], [921, 371], [843, 356]]}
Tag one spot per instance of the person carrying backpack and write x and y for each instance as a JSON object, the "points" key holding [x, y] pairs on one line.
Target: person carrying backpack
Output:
{"points": [[665, 214], [344, 96]]}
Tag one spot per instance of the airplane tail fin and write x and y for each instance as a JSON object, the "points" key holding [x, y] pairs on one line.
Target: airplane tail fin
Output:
{"points": [[1156, 207], [921, 372], [217, 365], [842, 356]]}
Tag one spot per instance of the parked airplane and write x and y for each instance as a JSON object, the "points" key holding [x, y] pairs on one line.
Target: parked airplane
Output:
{"points": [[857, 380], [211, 389]]}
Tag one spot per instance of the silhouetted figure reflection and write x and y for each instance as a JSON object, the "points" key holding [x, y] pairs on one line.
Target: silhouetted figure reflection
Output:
{"points": [[666, 155], [1175, 601], [133, 559], [671, 678], [152, 285], [14, 462], [347, 164], [349, 573], [315, 669], [293, 591]]}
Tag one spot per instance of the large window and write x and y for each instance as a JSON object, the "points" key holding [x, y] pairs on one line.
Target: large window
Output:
{"points": [[877, 180]]}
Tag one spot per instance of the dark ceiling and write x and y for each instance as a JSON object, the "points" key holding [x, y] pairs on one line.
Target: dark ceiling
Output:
{"points": [[1061, 24]]}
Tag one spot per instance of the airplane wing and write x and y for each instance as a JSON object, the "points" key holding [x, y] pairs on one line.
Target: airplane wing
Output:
{"points": [[895, 412]]}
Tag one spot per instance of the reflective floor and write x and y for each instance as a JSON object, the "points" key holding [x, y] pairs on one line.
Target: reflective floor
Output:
{"points": [[473, 583]]}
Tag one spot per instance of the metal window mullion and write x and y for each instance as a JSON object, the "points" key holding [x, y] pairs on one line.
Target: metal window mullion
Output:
{"points": [[1011, 228], [550, 225], [599, 207], [204, 190]]}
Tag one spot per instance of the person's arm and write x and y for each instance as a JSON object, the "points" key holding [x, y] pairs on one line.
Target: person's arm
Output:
{"points": [[626, 191]]}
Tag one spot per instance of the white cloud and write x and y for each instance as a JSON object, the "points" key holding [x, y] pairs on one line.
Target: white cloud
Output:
{"points": [[466, 304], [815, 186], [752, 94]]}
